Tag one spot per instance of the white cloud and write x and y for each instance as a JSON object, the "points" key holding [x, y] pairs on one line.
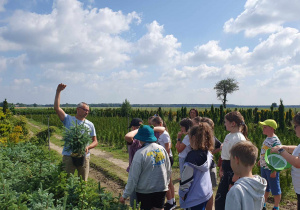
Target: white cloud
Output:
{"points": [[202, 71], [278, 49], [70, 77], [85, 48], [240, 55], [13, 63], [154, 85], [75, 37], [155, 48], [208, 53], [126, 75], [264, 16], [22, 81], [6, 45], [284, 78]]}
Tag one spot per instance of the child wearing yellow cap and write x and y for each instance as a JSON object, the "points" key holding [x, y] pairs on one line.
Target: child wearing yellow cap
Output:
{"points": [[269, 127]]}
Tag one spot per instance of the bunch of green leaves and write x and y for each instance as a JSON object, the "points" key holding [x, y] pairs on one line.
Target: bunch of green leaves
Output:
{"points": [[76, 138]]}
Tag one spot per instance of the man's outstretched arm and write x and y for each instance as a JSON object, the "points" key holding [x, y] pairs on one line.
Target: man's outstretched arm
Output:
{"points": [[61, 114]]}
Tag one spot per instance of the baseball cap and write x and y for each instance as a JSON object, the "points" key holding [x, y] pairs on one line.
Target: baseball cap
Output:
{"points": [[269, 122], [135, 122]]}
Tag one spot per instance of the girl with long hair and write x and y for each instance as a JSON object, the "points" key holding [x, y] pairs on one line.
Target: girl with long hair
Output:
{"points": [[235, 124]]}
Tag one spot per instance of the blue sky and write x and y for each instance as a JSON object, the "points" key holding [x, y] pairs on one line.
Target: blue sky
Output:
{"points": [[149, 51]]}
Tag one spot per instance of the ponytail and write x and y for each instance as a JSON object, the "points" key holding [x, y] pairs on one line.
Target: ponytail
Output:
{"points": [[244, 131]]}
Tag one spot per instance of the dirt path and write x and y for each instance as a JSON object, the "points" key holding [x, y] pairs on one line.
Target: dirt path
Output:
{"points": [[96, 152], [108, 184]]}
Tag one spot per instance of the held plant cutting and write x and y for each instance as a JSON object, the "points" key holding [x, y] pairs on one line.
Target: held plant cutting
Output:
{"points": [[76, 139]]}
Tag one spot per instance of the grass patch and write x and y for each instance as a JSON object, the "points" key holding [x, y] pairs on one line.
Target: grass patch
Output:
{"points": [[118, 153], [56, 141], [41, 125], [34, 126]]}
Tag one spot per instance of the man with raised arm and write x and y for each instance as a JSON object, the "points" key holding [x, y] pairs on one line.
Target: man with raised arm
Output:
{"points": [[68, 120]]}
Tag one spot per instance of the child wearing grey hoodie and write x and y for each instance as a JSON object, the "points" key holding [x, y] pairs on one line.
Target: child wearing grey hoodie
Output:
{"points": [[248, 191], [195, 185]]}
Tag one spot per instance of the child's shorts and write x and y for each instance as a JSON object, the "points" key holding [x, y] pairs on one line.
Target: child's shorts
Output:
{"points": [[201, 206], [150, 200], [273, 183]]}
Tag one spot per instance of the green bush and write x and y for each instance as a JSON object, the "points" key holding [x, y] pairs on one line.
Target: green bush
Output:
{"points": [[29, 179]]}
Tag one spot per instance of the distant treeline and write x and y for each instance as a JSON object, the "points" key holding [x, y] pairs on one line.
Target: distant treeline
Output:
{"points": [[148, 105]]}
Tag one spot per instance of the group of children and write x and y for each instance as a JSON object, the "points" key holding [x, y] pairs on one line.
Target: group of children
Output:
{"points": [[151, 159]]}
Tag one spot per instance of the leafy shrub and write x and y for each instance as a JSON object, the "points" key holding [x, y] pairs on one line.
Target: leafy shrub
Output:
{"points": [[41, 137], [30, 180]]}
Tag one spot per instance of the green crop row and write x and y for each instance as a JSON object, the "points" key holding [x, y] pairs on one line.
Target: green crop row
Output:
{"points": [[111, 130]]}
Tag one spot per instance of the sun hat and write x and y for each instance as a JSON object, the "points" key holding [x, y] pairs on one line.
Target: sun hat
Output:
{"points": [[135, 122], [145, 134], [269, 122], [276, 162]]}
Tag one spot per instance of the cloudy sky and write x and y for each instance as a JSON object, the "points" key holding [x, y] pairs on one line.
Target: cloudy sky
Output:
{"points": [[156, 51]]}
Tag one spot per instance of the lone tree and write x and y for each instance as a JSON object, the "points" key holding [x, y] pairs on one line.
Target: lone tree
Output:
{"points": [[274, 105], [224, 87], [125, 108]]}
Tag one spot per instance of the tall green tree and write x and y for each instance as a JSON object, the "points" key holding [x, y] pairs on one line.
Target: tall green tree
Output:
{"points": [[178, 115], [125, 108], [12, 109], [274, 105], [5, 106], [224, 87], [222, 115], [281, 121], [170, 116]]}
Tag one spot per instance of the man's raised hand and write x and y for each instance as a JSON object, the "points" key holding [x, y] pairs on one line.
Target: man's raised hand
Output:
{"points": [[61, 87]]}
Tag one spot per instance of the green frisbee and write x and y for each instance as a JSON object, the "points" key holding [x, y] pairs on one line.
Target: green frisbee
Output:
{"points": [[275, 161]]}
